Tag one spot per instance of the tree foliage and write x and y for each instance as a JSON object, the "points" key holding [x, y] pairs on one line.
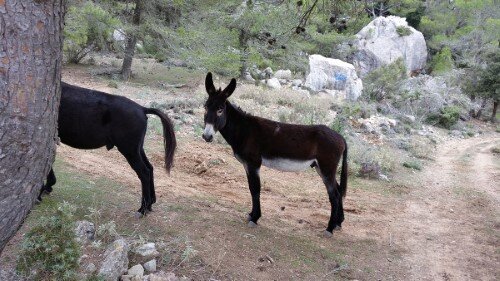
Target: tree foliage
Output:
{"points": [[88, 28]]}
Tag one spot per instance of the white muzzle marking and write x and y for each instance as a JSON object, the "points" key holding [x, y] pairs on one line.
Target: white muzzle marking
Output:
{"points": [[209, 131]]}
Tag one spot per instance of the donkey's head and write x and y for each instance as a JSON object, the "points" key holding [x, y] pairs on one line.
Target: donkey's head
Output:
{"points": [[215, 107]]}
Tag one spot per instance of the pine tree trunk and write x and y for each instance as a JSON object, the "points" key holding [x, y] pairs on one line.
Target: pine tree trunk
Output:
{"points": [[131, 41], [30, 75], [494, 113], [243, 38]]}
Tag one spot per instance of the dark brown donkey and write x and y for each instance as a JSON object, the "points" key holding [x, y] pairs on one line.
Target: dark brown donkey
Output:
{"points": [[286, 147], [91, 119]]}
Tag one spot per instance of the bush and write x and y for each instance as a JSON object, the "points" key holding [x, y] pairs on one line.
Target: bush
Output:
{"points": [[412, 165], [448, 117], [383, 83], [50, 248], [88, 28], [442, 62], [403, 31]]}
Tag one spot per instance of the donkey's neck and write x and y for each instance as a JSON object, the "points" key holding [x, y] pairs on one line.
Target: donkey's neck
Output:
{"points": [[236, 121]]}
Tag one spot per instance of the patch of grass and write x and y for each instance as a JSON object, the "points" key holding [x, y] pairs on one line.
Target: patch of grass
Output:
{"points": [[403, 31], [49, 248], [113, 84], [148, 72], [412, 164]]}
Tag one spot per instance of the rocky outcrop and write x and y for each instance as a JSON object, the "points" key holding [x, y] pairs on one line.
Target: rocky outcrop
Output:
{"points": [[115, 262], [386, 39], [336, 77]]}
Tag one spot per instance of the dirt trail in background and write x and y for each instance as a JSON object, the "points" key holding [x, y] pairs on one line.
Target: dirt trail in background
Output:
{"points": [[451, 223]]}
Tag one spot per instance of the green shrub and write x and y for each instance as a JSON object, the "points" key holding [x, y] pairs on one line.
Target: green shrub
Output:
{"points": [[442, 62], [446, 118], [412, 165], [87, 28], [383, 83], [403, 31], [50, 247]]}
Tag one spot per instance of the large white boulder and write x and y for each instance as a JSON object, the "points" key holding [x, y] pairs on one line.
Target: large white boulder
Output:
{"points": [[386, 39], [333, 76]]}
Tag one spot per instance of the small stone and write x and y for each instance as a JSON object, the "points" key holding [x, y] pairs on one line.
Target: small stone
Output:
{"points": [[201, 168], [297, 83], [131, 278], [273, 83], [90, 268], [162, 276], [84, 230], [136, 270], [146, 250], [150, 266], [283, 74]]}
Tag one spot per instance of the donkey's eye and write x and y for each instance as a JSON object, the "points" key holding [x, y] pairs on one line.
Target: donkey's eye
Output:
{"points": [[220, 111]]}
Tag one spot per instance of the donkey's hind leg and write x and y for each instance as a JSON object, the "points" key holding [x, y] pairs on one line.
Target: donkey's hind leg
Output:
{"points": [[152, 183], [138, 164], [336, 213]]}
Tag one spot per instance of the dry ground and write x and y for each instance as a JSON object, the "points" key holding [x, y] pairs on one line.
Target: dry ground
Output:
{"points": [[438, 224]]}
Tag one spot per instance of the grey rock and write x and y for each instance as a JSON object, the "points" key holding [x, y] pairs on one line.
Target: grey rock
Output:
{"points": [[268, 72], [119, 35], [297, 83], [248, 77], [136, 270], [379, 43], [132, 278], [273, 83], [146, 250], [9, 275], [115, 262], [90, 268], [150, 266], [84, 230], [163, 276], [283, 81], [283, 74], [337, 77]]}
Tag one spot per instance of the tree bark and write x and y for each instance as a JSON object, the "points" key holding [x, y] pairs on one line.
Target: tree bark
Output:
{"points": [[243, 38], [131, 41], [494, 113], [30, 75]]}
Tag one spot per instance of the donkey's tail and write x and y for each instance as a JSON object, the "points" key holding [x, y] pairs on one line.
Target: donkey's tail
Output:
{"points": [[344, 172], [169, 141]]}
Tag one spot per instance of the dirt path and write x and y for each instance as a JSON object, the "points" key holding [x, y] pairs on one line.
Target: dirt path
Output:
{"points": [[451, 222]]}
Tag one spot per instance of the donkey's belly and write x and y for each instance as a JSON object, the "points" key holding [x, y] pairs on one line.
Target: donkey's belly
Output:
{"points": [[288, 165]]}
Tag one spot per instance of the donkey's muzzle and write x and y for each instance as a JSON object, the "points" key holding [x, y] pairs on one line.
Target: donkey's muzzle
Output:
{"points": [[208, 138]]}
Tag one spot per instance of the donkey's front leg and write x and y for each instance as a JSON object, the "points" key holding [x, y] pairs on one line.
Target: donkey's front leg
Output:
{"points": [[254, 184]]}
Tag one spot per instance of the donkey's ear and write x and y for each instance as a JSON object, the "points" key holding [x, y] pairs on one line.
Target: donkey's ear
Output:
{"points": [[209, 84], [230, 88]]}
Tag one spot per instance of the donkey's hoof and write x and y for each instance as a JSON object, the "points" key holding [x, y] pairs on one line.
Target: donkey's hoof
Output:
{"points": [[251, 224], [139, 215], [337, 228], [249, 218], [327, 234]]}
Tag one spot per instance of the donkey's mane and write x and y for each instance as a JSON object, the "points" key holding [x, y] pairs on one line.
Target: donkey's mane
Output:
{"points": [[238, 108]]}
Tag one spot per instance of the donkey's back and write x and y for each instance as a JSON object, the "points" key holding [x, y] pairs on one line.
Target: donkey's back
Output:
{"points": [[91, 119]]}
